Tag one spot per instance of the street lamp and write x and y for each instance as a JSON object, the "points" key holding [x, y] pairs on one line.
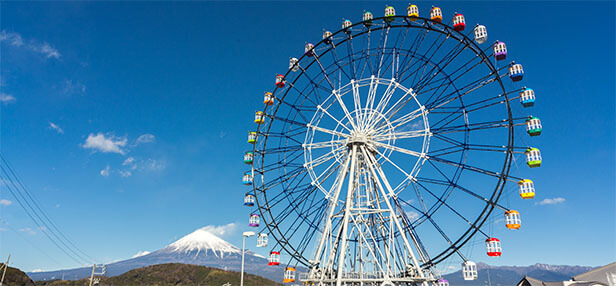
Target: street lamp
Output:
{"points": [[244, 236]]}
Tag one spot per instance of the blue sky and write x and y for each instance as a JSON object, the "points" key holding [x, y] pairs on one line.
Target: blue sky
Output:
{"points": [[127, 120]]}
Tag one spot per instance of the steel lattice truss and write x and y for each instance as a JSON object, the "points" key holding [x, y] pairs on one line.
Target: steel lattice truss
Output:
{"points": [[385, 152]]}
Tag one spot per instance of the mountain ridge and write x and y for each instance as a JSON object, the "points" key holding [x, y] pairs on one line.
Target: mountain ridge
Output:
{"points": [[201, 247], [511, 275]]}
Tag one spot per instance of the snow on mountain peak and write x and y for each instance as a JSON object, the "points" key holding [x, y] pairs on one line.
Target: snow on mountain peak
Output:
{"points": [[203, 240]]}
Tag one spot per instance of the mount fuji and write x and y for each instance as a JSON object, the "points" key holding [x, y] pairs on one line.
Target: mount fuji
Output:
{"points": [[200, 247]]}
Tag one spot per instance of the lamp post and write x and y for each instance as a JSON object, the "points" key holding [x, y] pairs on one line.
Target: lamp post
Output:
{"points": [[244, 236]]}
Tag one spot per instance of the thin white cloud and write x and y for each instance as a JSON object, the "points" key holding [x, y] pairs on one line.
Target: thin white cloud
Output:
{"points": [[125, 174], [37, 270], [105, 172], [73, 87], [16, 40], [7, 98], [153, 165], [145, 138], [105, 144], [128, 161], [221, 230], [141, 253], [412, 215], [13, 39], [56, 127], [5, 202], [28, 230], [551, 201]]}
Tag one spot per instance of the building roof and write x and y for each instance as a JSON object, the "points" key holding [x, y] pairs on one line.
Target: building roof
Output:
{"points": [[530, 281], [605, 275]]}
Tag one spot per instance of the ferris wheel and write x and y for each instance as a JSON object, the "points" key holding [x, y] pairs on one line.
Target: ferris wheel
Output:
{"points": [[385, 148]]}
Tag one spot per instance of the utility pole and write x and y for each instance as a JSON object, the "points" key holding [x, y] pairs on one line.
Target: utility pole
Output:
{"points": [[95, 281], [6, 266]]}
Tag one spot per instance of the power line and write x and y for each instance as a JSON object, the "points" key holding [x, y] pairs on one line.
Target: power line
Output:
{"points": [[23, 186], [29, 242], [25, 204]]}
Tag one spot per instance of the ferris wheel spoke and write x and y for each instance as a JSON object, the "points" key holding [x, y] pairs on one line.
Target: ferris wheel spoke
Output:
{"points": [[323, 158], [297, 171], [399, 149], [357, 103], [314, 89], [382, 49], [427, 60], [350, 53], [463, 91], [440, 35], [371, 96], [328, 131], [344, 108], [464, 166], [400, 121], [383, 101], [401, 135], [396, 53], [447, 80], [453, 54], [337, 63], [407, 177], [325, 74], [308, 208], [366, 55], [334, 118], [415, 47], [377, 173], [438, 228], [284, 149], [396, 107], [456, 186], [323, 144], [327, 173]]}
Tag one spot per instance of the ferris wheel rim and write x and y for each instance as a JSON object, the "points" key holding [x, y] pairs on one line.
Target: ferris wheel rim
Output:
{"points": [[498, 189]]}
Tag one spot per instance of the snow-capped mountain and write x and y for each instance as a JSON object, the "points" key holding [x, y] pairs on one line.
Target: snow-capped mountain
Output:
{"points": [[202, 241], [200, 247]]}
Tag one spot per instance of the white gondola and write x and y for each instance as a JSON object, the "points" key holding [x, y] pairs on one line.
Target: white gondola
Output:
{"points": [[367, 18], [293, 64], [469, 270], [481, 34], [443, 282], [346, 24], [262, 240], [327, 36]]}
